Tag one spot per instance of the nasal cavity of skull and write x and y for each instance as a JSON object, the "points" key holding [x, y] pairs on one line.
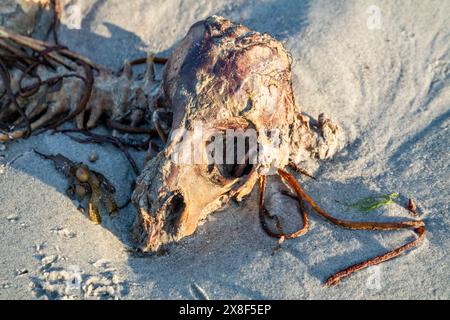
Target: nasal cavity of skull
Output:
{"points": [[175, 208], [231, 155]]}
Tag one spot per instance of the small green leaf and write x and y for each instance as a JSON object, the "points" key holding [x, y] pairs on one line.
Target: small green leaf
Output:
{"points": [[372, 203]]}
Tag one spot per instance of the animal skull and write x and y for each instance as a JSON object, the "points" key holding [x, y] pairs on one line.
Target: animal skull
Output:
{"points": [[222, 78]]}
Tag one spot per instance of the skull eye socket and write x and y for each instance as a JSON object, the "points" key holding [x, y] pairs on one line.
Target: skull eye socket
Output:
{"points": [[231, 157]]}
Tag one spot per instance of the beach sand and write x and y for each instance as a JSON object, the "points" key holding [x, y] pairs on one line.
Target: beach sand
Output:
{"points": [[380, 69]]}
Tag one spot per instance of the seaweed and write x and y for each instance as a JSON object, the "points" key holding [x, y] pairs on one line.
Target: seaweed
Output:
{"points": [[373, 202], [84, 182]]}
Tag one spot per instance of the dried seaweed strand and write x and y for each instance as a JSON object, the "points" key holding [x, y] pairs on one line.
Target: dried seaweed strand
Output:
{"points": [[96, 138], [336, 278], [417, 225], [264, 214], [16, 53], [355, 225], [56, 7], [133, 143], [33, 88], [47, 50], [28, 71], [39, 46], [125, 128]]}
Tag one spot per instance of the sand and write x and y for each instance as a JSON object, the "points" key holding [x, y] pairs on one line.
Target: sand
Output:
{"points": [[381, 69]]}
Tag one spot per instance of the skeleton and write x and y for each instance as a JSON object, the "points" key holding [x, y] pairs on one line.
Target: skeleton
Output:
{"points": [[222, 77], [62, 91]]}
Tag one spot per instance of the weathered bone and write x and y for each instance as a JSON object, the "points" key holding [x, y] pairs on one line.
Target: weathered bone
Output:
{"points": [[120, 97], [221, 76]]}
